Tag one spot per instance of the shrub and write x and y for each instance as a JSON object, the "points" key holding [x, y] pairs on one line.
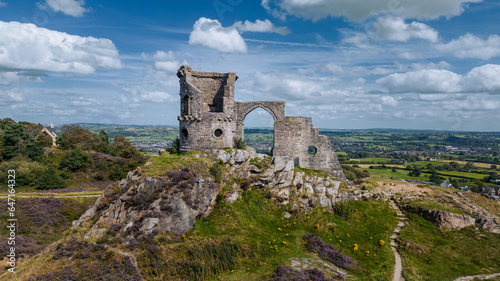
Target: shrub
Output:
{"points": [[49, 179], [76, 137], [239, 144], [216, 171], [176, 145], [75, 160], [123, 147], [343, 209]]}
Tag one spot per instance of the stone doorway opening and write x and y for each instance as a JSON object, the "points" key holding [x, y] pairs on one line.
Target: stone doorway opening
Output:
{"points": [[259, 130]]}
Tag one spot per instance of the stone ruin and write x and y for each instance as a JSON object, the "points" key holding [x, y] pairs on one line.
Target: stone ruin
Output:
{"points": [[211, 119]]}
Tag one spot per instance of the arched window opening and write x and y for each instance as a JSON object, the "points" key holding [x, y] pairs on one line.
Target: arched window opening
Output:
{"points": [[259, 130]]}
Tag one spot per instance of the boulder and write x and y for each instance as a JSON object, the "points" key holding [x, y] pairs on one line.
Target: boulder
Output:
{"points": [[488, 224], [443, 219]]}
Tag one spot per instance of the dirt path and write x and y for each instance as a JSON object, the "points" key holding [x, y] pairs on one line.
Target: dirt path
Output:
{"points": [[481, 277], [398, 268]]}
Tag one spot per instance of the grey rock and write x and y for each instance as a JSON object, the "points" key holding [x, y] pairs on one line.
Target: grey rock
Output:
{"points": [[488, 224], [224, 156], [148, 224], [233, 197]]}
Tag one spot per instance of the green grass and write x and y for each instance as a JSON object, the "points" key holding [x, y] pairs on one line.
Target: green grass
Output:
{"points": [[462, 174], [402, 174], [257, 225], [374, 160], [310, 172], [172, 162], [433, 205], [433, 254]]}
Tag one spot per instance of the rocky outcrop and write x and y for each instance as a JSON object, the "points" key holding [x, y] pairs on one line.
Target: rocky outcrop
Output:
{"points": [[285, 182], [488, 224], [443, 219], [141, 205]]}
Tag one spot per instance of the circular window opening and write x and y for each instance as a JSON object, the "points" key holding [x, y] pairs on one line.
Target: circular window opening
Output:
{"points": [[218, 133], [184, 133], [311, 150]]}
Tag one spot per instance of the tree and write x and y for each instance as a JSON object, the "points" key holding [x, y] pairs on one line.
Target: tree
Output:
{"points": [[43, 140], [13, 140], [435, 179], [104, 137], [76, 137], [49, 179], [124, 148], [103, 146], [75, 160], [469, 166]]}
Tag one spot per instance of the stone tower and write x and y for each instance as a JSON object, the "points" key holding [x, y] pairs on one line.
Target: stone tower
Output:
{"points": [[207, 109]]}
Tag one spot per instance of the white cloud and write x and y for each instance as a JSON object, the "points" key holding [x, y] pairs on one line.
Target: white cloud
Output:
{"points": [[2, 4], [422, 81], [471, 46], [133, 97], [395, 29], [64, 112], [356, 39], [261, 26], [388, 100], [210, 33], [285, 85], [359, 10], [482, 79], [12, 95], [158, 97], [165, 61], [8, 78], [68, 7], [28, 47], [409, 55]]}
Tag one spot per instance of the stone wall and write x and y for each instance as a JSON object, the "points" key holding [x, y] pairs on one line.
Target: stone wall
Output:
{"points": [[210, 118]]}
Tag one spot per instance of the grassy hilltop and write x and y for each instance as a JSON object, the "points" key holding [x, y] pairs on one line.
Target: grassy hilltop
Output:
{"points": [[251, 239]]}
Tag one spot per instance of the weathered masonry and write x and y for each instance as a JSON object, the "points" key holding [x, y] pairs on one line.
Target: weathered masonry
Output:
{"points": [[211, 118]]}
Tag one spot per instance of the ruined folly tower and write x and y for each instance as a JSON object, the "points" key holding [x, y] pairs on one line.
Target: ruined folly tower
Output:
{"points": [[210, 119]]}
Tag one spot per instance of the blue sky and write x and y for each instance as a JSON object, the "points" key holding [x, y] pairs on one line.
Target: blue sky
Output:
{"points": [[348, 64]]}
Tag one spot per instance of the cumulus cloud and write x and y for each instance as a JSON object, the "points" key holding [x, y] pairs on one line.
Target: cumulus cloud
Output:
{"points": [[210, 33], [482, 79], [359, 10], [11, 95], [134, 97], [2, 4], [26, 47], [8, 78], [68, 7], [422, 81], [261, 26], [388, 100], [395, 29], [409, 55], [158, 97], [471, 46], [164, 61], [287, 85]]}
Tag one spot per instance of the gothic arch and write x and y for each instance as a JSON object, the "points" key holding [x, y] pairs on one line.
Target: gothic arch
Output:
{"points": [[275, 108]]}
